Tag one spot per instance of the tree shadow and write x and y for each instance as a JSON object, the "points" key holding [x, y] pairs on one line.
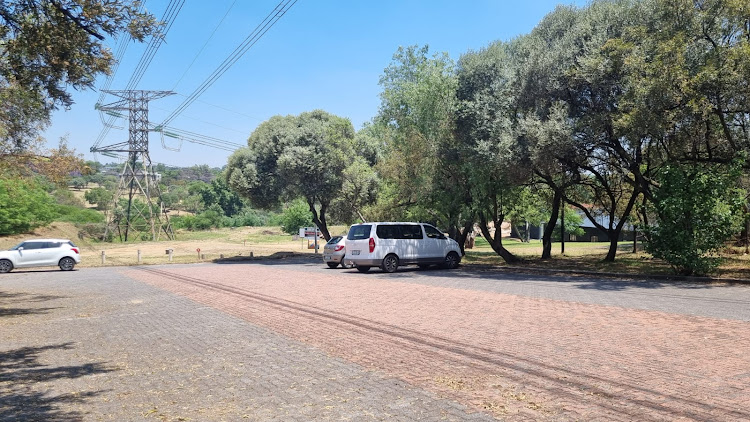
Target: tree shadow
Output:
{"points": [[16, 298], [21, 369]]}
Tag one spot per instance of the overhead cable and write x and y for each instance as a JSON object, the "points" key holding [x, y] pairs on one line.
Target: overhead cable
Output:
{"points": [[253, 38]]}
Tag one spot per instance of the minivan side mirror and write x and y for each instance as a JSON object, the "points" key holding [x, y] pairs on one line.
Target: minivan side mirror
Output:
{"points": [[20, 248], [442, 237]]}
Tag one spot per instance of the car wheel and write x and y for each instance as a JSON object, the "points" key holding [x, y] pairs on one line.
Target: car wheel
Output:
{"points": [[344, 264], [363, 269], [5, 266], [67, 264], [332, 264], [451, 261], [390, 263]]}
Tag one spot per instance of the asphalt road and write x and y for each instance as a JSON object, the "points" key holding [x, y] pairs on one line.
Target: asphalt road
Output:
{"points": [[294, 340]]}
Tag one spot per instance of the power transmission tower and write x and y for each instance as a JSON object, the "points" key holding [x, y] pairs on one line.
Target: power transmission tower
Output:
{"points": [[144, 213]]}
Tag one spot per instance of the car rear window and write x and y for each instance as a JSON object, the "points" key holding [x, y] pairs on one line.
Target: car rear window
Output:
{"points": [[359, 232], [334, 240]]}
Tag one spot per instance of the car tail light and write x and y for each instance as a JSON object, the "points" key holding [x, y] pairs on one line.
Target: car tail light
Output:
{"points": [[74, 250], [372, 245], [338, 248]]}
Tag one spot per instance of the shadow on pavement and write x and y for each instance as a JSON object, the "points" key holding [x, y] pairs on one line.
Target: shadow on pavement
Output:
{"points": [[21, 369], [20, 297]]}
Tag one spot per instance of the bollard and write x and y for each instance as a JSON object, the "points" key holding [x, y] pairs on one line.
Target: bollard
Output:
{"points": [[139, 256], [251, 254], [203, 256], [104, 258], [170, 255], [221, 256]]}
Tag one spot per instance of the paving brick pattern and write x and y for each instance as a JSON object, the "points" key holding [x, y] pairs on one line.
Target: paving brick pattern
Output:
{"points": [[517, 357], [94, 345]]}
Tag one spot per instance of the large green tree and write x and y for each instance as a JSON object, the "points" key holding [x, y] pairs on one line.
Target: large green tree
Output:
{"points": [[424, 167], [294, 156], [50, 46]]}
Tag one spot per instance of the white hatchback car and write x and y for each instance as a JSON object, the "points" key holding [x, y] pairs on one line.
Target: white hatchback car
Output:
{"points": [[389, 245], [41, 253]]}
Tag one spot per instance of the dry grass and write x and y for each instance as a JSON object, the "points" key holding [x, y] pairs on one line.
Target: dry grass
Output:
{"points": [[266, 241]]}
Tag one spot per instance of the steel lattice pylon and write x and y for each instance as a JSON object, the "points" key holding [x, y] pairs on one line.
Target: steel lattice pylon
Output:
{"points": [[144, 212]]}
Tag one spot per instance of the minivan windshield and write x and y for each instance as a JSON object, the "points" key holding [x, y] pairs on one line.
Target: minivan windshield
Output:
{"points": [[359, 232]]}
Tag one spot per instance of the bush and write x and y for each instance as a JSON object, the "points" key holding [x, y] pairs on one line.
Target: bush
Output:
{"points": [[24, 206], [73, 214], [698, 209], [296, 215]]}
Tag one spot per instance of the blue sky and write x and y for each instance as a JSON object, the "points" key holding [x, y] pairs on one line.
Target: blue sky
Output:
{"points": [[321, 55]]}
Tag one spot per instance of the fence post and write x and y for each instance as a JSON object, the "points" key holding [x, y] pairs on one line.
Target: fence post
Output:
{"points": [[170, 255], [139, 256], [104, 258]]}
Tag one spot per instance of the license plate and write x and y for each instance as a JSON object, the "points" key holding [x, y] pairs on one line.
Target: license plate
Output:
{"points": [[327, 257], [355, 252]]}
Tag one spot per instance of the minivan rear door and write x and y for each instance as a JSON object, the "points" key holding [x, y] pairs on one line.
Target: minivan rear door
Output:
{"points": [[358, 241]]}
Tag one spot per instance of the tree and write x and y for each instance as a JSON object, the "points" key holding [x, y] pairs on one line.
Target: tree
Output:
{"points": [[50, 46], [296, 214], [219, 193], [487, 127], [26, 206], [294, 156], [100, 197], [423, 167], [699, 208]]}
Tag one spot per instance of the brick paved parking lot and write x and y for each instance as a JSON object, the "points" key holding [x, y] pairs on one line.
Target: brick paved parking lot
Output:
{"points": [[296, 341]]}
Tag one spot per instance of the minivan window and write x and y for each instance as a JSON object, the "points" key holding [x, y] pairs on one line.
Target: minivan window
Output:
{"points": [[432, 232], [334, 240], [399, 231], [359, 232]]}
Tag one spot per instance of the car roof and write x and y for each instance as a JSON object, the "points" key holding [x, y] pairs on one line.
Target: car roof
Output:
{"points": [[47, 240], [390, 222]]}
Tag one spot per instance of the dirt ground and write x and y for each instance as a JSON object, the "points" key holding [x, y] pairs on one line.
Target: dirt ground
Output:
{"points": [[260, 241]]}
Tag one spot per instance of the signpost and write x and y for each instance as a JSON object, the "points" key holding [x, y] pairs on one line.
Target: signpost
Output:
{"points": [[310, 233]]}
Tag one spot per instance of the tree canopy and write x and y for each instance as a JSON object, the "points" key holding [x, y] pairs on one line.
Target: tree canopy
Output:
{"points": [[50, 46]]}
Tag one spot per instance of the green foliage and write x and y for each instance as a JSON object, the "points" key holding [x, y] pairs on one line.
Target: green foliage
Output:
{"points": [[78, 215], [698, 209], [294, 156], [296, 215], [218, 193], [25, 206], [49, 47], [100, 197]]}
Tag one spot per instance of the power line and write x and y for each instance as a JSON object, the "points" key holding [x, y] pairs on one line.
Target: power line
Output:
{"points": [[253, 38], [204, 45], [170, 14]]}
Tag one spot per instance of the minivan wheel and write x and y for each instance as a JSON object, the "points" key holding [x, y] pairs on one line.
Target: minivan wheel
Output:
{"points": [[5, 266], [390, 263], [363, 268], [451, 261], [344, 264], [332, 264], [67, 264]]}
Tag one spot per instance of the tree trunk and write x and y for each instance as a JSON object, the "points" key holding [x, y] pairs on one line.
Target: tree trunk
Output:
{"points": [[320, 219], [614, 235], [550, 228], [496, 241]]}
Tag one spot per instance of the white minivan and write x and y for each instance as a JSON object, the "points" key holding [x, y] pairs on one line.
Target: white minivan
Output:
{"points": [[388, 245]]}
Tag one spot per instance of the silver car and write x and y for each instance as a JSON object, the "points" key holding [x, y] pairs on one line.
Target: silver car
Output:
{"points": [[41, 253], [334, 253]]}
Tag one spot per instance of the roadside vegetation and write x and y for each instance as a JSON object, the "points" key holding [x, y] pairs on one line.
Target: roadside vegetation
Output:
{"points": [[631, 116]]}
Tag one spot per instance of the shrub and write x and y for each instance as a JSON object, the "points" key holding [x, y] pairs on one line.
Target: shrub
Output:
{"points": [[25, 206], [74, 214], [296, 215], [698, 209]]}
